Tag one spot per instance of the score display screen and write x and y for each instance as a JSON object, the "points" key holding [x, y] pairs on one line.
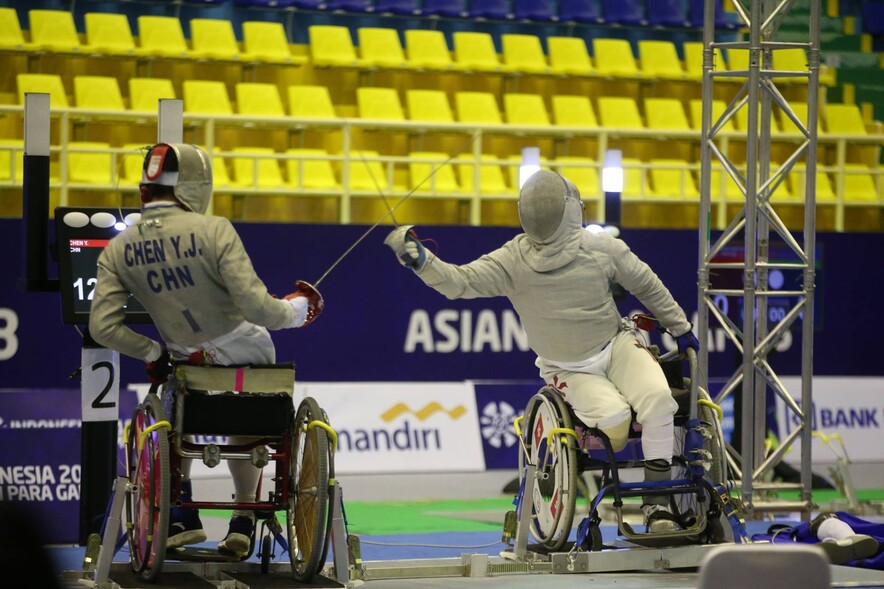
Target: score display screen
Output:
{"points": [[78, 251]]}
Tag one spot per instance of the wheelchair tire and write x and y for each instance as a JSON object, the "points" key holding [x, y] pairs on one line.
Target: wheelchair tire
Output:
{"points": [[554, 493], [308, 509], [147, 502]]}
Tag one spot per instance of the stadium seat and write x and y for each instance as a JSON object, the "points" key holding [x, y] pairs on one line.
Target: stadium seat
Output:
{"points": [[659, 60], [635, 179], [523, 54], [569, 56], [475, 51], [381, 47], [310, 102], [541, 10], [350, 5], [220, 176], [450, 8], [428, 105], [477, 107], [332, 45], [206, 97], [12, 156], [619, 113], [433, 175], [267, 42], [365, 174], [718, 108], [48, 83], [742, 118], [672, 178], [258, 99], [496, 9], [491, 180], [109, 34], [53, 30], [379, 104], [213, 39], [427, 49], [872, 18], [144, 93], [251, 170], [573, 111], [583, 11], [731, 191], [525, 109], [786, 124], [666, 114], [667, 13], [11, 35], [693, 60], [131, 164], [89, 168], [312, 174], [737, 60], [859, 184], [405, 7], [792, 60], [696, 9], [161, 36], [798, 178], [582, 171], [624, 12], [98, 93], [614, 58], [844, 119]]}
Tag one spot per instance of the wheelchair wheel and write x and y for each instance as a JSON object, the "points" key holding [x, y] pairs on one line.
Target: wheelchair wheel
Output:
{"points": [[308, 510], [147, 502], [554, 493]]}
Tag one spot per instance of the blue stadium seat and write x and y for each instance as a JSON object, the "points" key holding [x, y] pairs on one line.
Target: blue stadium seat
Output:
{"points": [[499, 9], [455, 8], [407, 7], [586, 11], [696, 15], [873, 18], [350, 5], [533, 10], [278, 3], [624, 12], [666, 13]]}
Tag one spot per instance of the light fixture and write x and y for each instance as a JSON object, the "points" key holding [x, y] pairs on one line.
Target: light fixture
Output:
{"points": [[530, 164]]}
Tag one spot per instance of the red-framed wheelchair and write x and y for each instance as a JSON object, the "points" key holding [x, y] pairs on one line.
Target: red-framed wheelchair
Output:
{"points": [[254, 402]]}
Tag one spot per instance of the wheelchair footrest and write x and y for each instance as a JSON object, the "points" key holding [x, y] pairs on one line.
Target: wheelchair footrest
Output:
{"points": [[196, 553]]}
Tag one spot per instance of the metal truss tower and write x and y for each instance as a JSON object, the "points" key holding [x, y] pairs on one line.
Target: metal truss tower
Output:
{"points": [[751, 232]]}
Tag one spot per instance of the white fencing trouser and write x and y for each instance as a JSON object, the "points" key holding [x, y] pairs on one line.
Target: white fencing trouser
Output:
{"points": [[247, 344], [605, 389]]}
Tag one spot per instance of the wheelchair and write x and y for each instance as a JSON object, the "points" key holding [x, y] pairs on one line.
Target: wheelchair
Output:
{"points": [[253, 401], [559, 449]]}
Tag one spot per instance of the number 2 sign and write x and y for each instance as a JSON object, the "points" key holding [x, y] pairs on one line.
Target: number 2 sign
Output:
{"points": [[100, 384]]}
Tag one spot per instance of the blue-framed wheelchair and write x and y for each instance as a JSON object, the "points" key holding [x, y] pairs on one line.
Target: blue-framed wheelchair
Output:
{"points": [[254, 402], [556, 449]]}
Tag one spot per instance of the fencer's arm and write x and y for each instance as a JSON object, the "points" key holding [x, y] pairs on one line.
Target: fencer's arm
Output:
{"points": [[484, 277]]}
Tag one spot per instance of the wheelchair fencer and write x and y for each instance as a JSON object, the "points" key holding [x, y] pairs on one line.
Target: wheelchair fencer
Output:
{"points": [[246, 401], [556, 448]]}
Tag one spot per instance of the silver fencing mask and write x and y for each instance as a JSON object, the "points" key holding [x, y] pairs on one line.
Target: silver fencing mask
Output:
{"points": [[547, 204]]}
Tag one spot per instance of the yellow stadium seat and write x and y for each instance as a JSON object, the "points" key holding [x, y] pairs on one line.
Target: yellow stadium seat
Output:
{"points": [[569, 56], [614, 58], [792, 60], [582, 172], [267, 42], [310, 102], [12, 155], [212, 38], [844, 119], [433, 174], [859, 184], [53, 30], [737, 59], [619, 113], [220, 176], [11, 35], [98, 93], [490, 176], [671, 178], [132, 164], [427, 49], [786, 124], [729, 188], [379, 103], [109, 33], [42, 83], [635, 179], [693, 60], [252, 170], [525, 109], [89, 168], [477, 107], [258, 99], [145, 93], [161, 36], [474, 51], [428, 105], [666, 113], [365, 174], [332, 45], [524, 54], [380, 47], [659, 60], [798, 180], [742, 118], [718, 108], [206, 97], [312, 174], [573, 111]]}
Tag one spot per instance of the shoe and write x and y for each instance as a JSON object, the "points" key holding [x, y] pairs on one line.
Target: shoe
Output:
{"points": [[659, 520], [854, 547], [185, 528], [240, 539]]}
